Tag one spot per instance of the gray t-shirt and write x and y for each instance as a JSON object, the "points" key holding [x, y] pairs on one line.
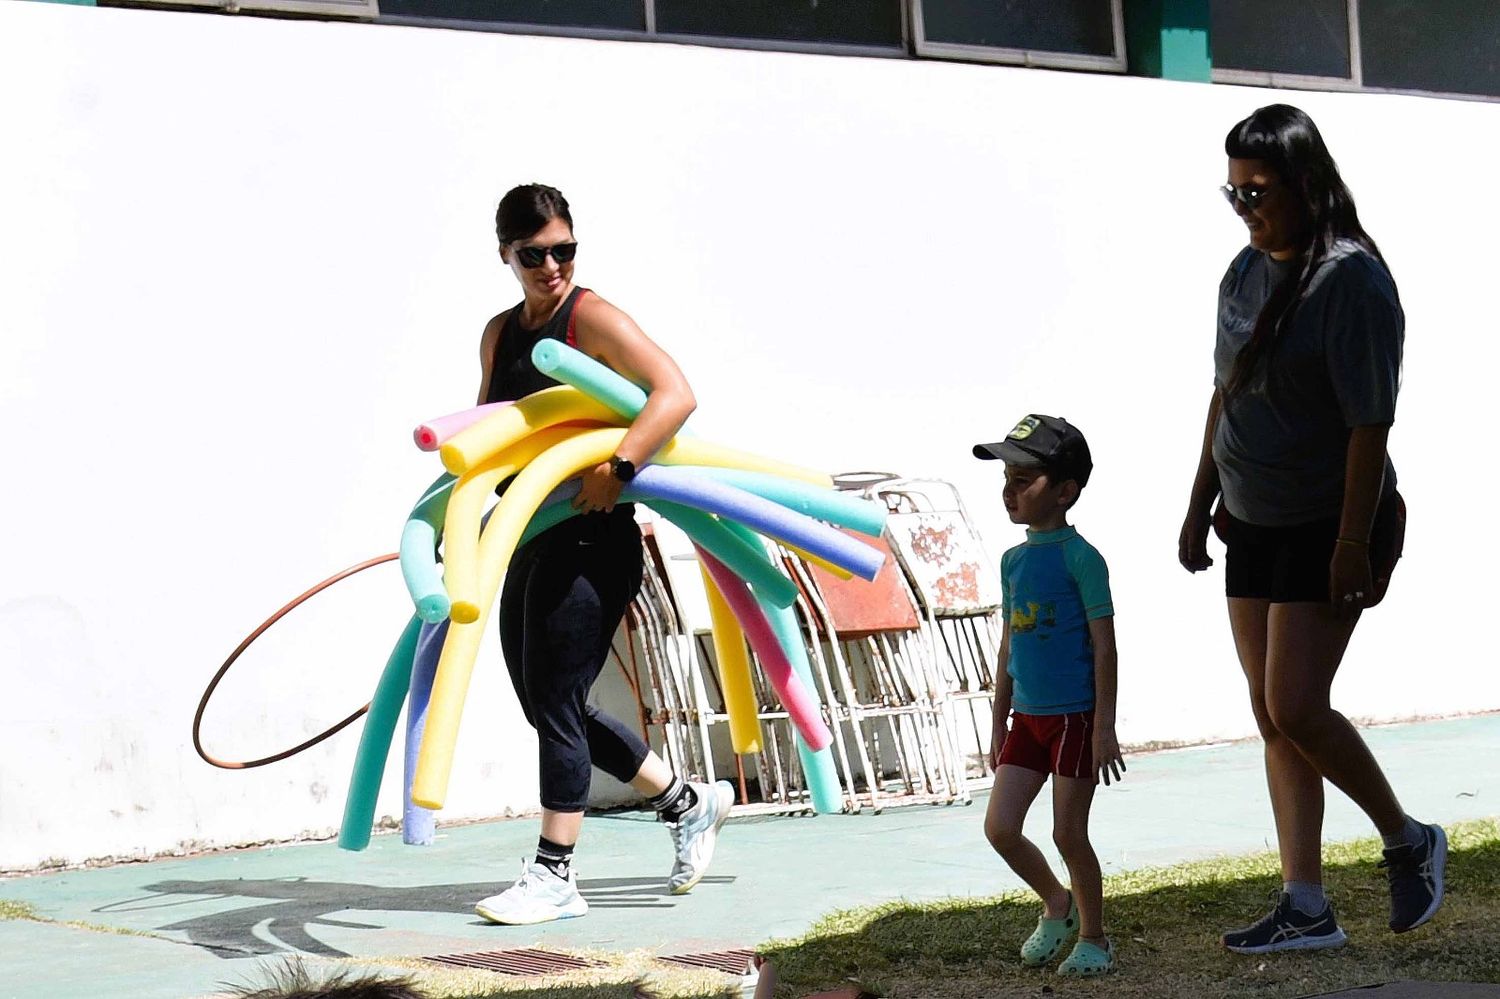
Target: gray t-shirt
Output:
{"points": [[1281, 451]]}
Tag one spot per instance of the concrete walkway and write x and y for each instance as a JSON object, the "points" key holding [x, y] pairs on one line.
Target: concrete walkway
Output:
{"points": [[210, 918]]}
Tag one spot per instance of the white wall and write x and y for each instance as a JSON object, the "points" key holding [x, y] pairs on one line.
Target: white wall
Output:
{"points": [[240, 258]]}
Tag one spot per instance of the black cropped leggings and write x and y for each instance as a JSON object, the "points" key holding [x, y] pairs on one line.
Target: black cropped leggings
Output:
{"points": [[565, 594]]}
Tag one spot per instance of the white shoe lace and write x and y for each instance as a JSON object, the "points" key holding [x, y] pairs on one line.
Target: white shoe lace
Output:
{"points": [[527, 878]]}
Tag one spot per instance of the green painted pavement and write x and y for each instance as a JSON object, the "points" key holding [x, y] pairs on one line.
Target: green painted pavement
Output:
{"points": [[772, 877]]}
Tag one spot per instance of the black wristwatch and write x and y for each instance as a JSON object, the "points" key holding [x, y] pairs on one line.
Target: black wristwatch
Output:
{"points": [[623, 468]]}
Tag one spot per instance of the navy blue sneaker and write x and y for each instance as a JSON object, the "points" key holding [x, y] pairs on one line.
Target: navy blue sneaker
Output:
{"points": [[1416, 874], [1287, 928]]}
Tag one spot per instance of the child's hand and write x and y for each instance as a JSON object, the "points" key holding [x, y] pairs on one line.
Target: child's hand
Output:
{"points": [[997, 739], [1107, 755]]}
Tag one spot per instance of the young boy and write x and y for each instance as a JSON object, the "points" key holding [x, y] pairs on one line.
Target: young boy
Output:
{"points": [[1057, 690]]}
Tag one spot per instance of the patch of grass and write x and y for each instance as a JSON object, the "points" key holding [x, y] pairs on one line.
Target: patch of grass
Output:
{"points": [[119, 931], [11, 909], [1165, 924]]}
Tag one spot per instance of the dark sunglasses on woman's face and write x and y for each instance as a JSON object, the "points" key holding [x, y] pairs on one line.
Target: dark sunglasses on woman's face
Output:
{"points": [[533, 256], [1249, 195]]}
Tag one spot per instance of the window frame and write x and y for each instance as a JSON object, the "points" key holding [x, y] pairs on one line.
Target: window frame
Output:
{"points": [[806, 47], [1039, 58], [366, 11], [1353, 83], [1305, 81], [651, 34]]}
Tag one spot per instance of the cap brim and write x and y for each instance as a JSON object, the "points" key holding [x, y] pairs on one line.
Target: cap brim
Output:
{"points": [[1007, 452]]}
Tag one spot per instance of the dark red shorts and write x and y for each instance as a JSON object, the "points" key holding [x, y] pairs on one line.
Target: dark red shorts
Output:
{"points": [[1052, 744]]}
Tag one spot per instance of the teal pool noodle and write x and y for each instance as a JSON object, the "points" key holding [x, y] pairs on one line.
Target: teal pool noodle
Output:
{"points": [[862, 515], [575, 368], [549, 517], [817, 765], [419, 538], [419, 568], [375, 740], [745, 560]]}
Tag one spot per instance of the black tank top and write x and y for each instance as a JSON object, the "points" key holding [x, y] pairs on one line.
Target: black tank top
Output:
{"points": [[513, 376]]}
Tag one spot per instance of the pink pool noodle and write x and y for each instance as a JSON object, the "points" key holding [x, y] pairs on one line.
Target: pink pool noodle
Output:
{"points": [[799, 703], [429, 439], [431, 435]]}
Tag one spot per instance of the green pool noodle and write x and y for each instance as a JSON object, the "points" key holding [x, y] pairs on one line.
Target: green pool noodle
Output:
{"points": [[375, 740]]}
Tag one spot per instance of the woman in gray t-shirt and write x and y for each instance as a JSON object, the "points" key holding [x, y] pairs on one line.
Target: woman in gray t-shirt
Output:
{"points": [[1307, 367]]}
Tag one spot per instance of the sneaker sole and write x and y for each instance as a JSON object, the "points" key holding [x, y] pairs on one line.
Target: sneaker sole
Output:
{"points": [[1439, 864], [492, 917], [1335, 939], [686, 887]]}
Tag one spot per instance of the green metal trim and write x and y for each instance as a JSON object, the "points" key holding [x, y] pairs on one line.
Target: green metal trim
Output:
{"points": [[1169, 39]]}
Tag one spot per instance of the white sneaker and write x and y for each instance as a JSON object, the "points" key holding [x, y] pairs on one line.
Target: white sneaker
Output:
{"points": [[538, 897], [696, 833]]}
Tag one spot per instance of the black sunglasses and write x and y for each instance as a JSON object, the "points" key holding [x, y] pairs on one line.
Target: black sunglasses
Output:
{"points": [[533, 256], [1247, 195]]}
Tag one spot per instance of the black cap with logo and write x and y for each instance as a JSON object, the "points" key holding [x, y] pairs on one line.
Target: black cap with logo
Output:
{"points": [[1044, 441]]}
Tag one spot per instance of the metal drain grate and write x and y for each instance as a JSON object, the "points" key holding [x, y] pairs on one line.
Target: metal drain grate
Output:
{"points": [[523, 962], [734, 962]]}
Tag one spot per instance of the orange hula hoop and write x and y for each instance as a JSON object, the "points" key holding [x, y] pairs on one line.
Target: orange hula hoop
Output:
{"points": [[239, 650]]}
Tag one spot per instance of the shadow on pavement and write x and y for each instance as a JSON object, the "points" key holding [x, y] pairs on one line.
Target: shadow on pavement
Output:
{"points": [[294, 904]]}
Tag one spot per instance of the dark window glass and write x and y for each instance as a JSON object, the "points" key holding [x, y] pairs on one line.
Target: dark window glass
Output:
{"points": [[1309, 37], [846, 22], [624, 15], [1445, 45], [1081, 27]]}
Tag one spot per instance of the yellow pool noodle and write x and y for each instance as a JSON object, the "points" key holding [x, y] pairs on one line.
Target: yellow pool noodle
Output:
{"points": [[498, 431], [822, 563], [550, 406], [465, 508], [734, 671], [498, 542]]}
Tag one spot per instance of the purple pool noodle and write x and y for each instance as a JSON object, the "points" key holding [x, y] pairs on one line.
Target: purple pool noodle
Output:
{"points": [[762, 515], [418, 824]]}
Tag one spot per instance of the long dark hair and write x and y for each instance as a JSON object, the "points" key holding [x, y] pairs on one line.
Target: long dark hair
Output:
{"points": [[1286, 138], [527, 208]]}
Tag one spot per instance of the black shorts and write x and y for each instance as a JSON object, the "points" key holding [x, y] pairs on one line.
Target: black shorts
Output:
{"points": [[1290, 564]]}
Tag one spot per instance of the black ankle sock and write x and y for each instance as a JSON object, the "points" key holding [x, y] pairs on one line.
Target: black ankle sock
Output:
{"points": [[675, 800], [554, 856]]}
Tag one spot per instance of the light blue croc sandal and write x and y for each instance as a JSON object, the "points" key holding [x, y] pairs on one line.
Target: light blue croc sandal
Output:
{"points": [[1089, 960], [1050, 937]]}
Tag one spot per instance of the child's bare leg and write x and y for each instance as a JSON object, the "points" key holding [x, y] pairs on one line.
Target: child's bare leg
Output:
{"points": [[1071, 799], [1015, 789]]}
